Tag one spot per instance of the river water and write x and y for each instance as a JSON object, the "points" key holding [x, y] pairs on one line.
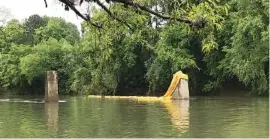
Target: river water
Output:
{"points": [[80, 117]]}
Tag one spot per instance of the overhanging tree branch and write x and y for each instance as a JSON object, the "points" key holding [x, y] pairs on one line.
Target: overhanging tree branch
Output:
{"points": [[144, 8], [86, 18], [70, 4], [46, 5], [111, 14]]}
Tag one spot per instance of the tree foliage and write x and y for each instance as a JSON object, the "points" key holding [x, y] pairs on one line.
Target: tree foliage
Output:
{"points": [[135, 48]]}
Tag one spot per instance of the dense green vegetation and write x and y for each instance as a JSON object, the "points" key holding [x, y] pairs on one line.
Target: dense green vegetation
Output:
{"points": [[232, 47]]}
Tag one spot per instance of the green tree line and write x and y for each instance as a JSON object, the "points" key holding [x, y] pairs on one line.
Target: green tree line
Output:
{"points": [[139, 57]]}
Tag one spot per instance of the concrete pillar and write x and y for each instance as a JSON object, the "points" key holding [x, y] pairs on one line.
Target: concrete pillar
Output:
{"points": [[181, 91], [51, 87], [184, 90]]}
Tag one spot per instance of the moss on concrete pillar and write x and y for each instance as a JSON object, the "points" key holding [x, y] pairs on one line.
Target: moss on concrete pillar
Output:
{"points": [[51, 86]]}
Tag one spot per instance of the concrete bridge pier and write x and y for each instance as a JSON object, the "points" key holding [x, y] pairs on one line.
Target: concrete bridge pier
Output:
{"points": [[51, 87]]}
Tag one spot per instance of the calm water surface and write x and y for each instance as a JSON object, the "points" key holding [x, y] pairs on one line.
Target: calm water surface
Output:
{"points": [[91, 117]]}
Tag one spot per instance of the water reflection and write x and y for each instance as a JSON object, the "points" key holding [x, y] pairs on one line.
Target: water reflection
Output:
{"points": [[179, 113], [51, 115], [92, 118]]}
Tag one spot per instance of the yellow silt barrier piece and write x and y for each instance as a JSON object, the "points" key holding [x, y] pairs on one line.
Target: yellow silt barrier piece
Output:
{"points": [[168, 95], [137, 98]]}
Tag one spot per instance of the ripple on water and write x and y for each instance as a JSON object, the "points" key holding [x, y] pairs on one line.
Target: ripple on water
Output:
{"points": [[26, 101]]}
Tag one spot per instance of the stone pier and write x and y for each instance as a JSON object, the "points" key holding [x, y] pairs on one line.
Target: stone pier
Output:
{"points": [[181, 91], [51, 87]]}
